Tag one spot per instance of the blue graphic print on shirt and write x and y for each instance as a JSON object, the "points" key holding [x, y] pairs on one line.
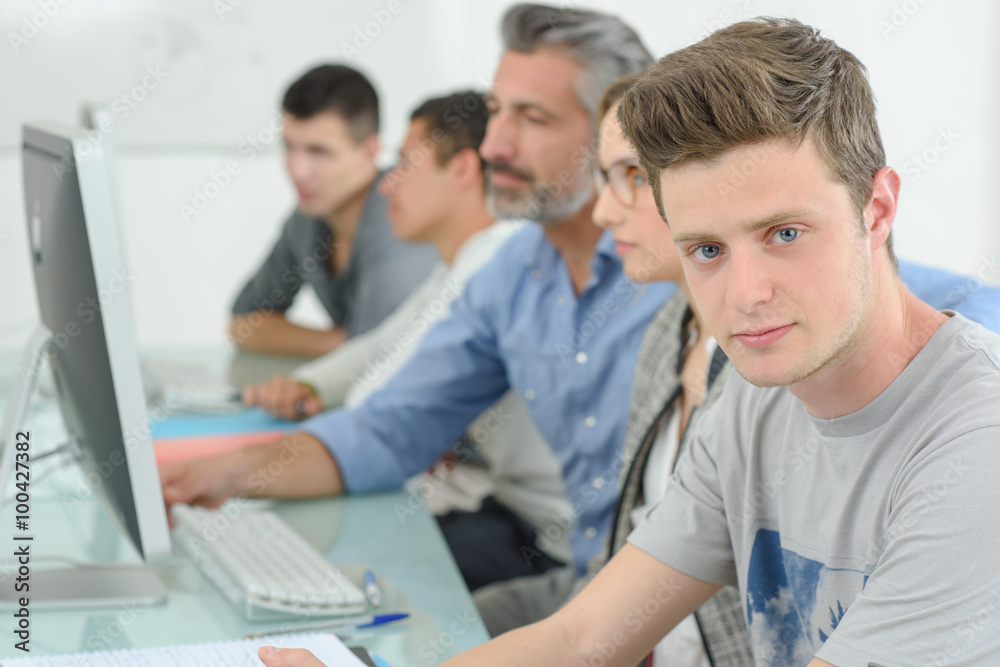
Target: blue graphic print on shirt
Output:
{"points": [[792, 601]]}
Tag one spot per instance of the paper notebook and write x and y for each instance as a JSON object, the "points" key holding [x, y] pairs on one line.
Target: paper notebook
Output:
{"points": [[238, 653]]}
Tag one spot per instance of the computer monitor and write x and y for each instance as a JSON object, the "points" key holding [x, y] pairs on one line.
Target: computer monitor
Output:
{"points": [[87, 334]]}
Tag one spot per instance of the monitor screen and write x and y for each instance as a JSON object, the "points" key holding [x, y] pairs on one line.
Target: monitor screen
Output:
{"points": [[82, 284]]}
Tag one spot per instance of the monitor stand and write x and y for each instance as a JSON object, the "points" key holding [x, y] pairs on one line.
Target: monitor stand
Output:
{"points": [[85, 586]]}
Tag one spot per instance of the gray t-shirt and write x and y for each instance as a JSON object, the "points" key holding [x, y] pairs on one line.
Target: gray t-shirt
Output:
{"points": [[380, 274], [869, 538]]}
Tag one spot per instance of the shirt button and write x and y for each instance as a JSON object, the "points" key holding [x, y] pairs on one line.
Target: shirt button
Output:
{"points": [[529, 394], [591, 532], [561, 301], [581, 358], [536, 273], [598, 483], [590, 421]]}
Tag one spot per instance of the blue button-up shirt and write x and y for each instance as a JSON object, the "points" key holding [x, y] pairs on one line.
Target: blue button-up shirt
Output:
{"points": [[948, 291], [519, 324]]}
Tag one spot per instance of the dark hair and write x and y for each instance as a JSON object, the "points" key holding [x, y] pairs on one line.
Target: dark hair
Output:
{"points": [[338, 89], [454, 122], [604, 45], [753, 82]]}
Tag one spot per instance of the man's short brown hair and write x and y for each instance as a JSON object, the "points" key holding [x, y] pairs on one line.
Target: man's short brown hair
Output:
{"points": [[753, 82]]}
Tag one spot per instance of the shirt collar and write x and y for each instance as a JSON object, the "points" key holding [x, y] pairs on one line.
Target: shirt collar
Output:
{"points": [[543, 252], [605, 250]]}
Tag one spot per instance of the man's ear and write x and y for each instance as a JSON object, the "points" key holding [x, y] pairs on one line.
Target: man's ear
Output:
{"points": [[881, 210], [466, 168]]}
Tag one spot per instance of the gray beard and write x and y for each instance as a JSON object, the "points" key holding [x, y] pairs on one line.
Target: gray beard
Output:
{"points": [[541, 206]]}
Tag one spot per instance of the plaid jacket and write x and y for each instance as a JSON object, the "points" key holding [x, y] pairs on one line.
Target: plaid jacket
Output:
{"points": [[657, 382]]}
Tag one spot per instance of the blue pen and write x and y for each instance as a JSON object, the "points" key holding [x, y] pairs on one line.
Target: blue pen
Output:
{"points": [[357, 622], [372, 591], [382, 619]]}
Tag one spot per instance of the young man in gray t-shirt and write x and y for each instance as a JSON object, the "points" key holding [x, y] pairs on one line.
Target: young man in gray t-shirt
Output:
{"points": [[852, 493], [338, 240]]}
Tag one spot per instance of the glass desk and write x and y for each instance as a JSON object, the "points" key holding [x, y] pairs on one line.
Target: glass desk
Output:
{"points": [[391, 533]]}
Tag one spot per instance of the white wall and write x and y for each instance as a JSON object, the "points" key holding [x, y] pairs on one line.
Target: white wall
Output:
{"points": [[935, 67]]}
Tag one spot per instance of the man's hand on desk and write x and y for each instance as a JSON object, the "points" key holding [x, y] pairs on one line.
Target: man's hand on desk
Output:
{"points": [[283, 397], [287, 657], [296, 466], [207, 482]]}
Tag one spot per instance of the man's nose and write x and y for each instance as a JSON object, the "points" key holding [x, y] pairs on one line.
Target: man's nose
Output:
{"points": [[500, 142], [749, 284], [607, 210], [297, 165]]}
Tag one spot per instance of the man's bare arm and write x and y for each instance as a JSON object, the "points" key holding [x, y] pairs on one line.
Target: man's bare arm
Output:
{"points": [[272, 332], [632, 603], [297, 466]]}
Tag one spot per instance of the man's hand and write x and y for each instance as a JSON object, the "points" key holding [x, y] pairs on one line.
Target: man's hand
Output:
{"points": [[283, 397], [287, 657], [296, 466], [206, 482]]}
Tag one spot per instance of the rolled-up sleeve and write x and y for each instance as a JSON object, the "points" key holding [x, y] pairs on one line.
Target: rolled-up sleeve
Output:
{"points": [[453, 376]]}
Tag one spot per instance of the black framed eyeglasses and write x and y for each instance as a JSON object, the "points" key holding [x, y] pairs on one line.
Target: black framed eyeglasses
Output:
{"points": [[625, 180]]}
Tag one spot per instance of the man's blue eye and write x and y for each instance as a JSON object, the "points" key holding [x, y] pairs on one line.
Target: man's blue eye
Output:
{"points": [[708, 251], [786, 235]]}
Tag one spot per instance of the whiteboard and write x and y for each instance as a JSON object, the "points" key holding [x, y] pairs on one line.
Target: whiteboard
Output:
{"points": [[209, 73]]}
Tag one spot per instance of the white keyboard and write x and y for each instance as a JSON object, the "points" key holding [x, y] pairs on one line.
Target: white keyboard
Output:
{"points": [[263, 566], [188, 387]]}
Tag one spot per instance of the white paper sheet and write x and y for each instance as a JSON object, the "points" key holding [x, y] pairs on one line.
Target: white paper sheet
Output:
{"points": [[239, 653]]}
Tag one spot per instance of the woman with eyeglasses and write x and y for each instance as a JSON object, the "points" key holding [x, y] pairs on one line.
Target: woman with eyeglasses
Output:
{"points": [[678, 369]]}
